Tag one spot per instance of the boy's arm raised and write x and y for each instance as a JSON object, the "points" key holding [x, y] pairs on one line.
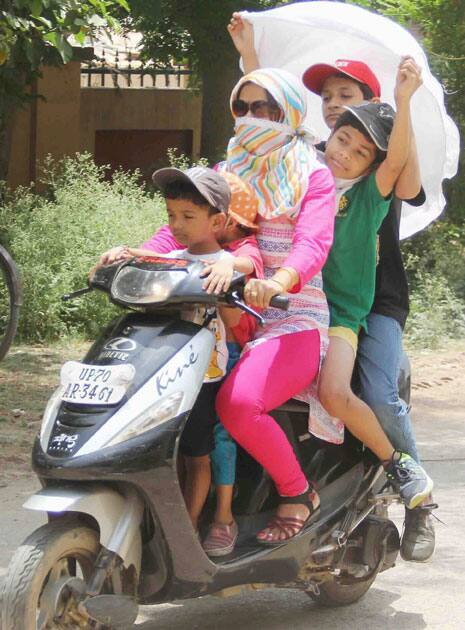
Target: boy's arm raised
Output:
{"points": [[241, 32], [399, 143], [409, 183]]}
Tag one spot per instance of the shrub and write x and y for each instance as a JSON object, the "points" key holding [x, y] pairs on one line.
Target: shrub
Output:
{"points": [[435, 262], [57, 237], [436, 312]]}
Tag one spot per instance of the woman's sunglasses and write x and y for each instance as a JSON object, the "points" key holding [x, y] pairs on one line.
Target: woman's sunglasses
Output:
{"points": [[259, 109]]}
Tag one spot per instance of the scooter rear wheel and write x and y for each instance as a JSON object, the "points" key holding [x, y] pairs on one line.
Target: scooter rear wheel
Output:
{"points": [[38, 587], [333, 593]]}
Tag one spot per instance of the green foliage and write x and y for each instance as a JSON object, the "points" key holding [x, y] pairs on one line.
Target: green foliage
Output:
{"points": [[182, 29], [182, 161], [436, 313], [56, 239], [29, 27], [435, 262]]}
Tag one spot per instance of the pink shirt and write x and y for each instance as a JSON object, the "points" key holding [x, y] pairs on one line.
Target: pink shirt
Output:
{"points": [[163, 242], [314, 228]]}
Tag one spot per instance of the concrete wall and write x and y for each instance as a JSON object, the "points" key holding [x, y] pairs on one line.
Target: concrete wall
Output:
{"points": [[103, 108], [67, 120]]}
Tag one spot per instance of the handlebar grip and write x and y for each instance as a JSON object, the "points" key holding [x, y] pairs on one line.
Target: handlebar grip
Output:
{"points": [[280, 301]]}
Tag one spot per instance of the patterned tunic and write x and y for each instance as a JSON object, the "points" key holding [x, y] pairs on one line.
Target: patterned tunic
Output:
{"points": [[308, 310]]}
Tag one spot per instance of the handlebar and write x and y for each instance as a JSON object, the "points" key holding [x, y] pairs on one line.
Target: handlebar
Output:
{"points": [[280, 301]]}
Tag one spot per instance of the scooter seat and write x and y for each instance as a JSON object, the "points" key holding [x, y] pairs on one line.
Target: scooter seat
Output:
{"points": [[293, 406]]}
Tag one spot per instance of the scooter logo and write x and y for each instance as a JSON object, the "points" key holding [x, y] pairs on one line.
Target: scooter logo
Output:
{"points": [[118, 348], [121, 344]]}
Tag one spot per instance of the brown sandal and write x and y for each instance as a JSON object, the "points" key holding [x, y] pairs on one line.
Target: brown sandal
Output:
{"points": [[292, 526]]}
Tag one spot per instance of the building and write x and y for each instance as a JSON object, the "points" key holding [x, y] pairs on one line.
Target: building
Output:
{"points": [[125, 112]]}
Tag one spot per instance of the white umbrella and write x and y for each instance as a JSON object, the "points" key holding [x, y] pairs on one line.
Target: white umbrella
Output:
{"points": [[299, 35]]}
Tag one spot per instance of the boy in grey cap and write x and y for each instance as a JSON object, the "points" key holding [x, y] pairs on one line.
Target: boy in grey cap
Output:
{"points": [[367, 153]]}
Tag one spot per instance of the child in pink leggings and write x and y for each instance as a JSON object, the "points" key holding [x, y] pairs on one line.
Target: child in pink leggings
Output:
{"points": [[276, 378]]}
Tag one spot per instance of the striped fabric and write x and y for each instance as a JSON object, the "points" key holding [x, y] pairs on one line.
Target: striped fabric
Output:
{"points": [[308, 310], [277, 158]]}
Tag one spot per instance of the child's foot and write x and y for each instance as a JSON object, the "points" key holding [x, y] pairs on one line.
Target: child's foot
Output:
{"points": [[409, 479], [221, 539]]}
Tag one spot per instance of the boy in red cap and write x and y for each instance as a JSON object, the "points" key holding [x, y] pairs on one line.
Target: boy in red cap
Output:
{"points": [[346, 83]]}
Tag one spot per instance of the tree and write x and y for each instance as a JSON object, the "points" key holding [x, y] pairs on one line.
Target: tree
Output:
{"points": [[38, 32], [195, 32]]}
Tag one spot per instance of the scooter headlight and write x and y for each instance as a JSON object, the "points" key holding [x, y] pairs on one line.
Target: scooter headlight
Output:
{"points": [[161, 411], [141, 286]]}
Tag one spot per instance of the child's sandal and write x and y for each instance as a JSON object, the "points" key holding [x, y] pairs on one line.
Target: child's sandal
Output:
{"points": [[291, 526]]}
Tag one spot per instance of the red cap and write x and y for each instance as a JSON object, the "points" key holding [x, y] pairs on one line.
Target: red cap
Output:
{"points": [[315, 76]]}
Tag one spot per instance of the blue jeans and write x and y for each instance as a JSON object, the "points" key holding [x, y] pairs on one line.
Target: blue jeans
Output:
{"points": [[223, 456], [378, 360]]}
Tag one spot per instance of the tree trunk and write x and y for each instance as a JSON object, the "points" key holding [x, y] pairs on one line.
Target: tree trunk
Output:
{"points": [[6, 133], [219, 75]]}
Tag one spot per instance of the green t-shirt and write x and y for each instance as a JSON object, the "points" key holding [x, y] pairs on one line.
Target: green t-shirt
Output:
{"points": [[349, 275]]}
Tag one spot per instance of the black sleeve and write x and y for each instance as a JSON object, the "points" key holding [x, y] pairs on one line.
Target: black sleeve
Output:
{"points": [[419, 200]]}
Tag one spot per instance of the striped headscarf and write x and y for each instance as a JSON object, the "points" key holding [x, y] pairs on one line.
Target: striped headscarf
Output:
{"points": [[276, 158]]}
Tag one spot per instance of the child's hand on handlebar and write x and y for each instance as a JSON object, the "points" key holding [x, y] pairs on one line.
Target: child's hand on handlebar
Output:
{"points": [[258, 293], [116, 253], [218, 276]]}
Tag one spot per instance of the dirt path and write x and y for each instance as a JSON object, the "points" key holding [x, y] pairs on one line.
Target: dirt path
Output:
{"points": [[28, 376]]}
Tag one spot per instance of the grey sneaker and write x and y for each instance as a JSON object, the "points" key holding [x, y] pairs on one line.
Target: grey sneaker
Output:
{"points": [[418, 539], [409, 479]]}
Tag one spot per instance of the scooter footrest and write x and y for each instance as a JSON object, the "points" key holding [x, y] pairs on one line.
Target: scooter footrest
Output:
{"points": [[117, 611]]}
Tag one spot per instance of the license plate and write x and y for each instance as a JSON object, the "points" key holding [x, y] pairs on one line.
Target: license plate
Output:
{"points": [[95, 384]]}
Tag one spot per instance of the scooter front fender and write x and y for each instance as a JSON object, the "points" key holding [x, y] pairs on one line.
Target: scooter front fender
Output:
{"points": [[118, 515]]}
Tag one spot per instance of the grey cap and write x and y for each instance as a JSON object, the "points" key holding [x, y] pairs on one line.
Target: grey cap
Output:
{"points": [[210, 184], [378, 120]]}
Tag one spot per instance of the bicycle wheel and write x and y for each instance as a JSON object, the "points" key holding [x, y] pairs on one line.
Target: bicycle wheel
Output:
{"points": [[10, 300]]}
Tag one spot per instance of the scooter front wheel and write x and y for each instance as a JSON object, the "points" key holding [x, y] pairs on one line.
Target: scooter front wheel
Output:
{"points": [[45, 577]]}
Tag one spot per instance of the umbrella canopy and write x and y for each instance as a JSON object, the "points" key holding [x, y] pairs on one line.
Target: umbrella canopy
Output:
{"points": [[297, 36]]}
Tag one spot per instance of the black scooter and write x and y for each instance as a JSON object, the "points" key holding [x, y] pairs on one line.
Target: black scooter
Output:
{"points": [[118, 531]]}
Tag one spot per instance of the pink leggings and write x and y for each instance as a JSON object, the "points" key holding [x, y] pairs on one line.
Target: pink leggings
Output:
{"points": [[264, 378]]}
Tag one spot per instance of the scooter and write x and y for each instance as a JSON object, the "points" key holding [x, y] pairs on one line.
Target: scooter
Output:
{"points": [[118, 532]]}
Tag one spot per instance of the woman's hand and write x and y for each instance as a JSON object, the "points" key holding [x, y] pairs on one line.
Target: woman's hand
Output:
{"points": [[259, 292], [218, 276], [116, 253], [241, 32]]}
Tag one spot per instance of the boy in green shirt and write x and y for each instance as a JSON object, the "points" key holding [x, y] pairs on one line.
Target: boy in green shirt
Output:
{"points": [[367, 153]]}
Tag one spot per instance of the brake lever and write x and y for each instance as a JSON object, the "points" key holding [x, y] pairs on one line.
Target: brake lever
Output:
{"points": [[234, 299], [75, 294]]}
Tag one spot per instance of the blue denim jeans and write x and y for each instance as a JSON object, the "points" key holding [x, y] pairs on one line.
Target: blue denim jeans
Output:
{"points": [[378, 360], [223, 456]]}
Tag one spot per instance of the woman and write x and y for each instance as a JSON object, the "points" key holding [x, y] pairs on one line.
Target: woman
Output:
{"points": [[272, 151]]}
